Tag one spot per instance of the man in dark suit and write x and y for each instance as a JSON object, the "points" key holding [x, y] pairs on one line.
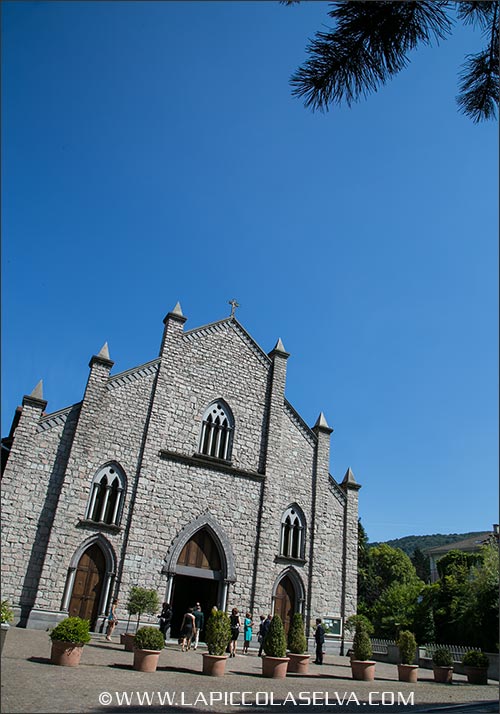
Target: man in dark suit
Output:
{"points": [[319, 636]]}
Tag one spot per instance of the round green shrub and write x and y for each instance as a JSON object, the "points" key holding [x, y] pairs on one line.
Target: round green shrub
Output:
{"points": [[473, 658], [149, 638], [407, 646], [6, 614], [72, 629], [442, 657], [353, 621], [297, 642], [217, 632], [275, 642], [361, 645]]}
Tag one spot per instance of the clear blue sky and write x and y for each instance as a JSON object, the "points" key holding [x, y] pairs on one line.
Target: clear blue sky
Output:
{"points": [[152, 152]]}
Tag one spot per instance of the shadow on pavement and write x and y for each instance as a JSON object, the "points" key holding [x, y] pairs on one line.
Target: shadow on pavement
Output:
{"points": [[40, 660]]}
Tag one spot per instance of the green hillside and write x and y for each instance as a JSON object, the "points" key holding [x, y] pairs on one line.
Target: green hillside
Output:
{"points": [[409, 543]]}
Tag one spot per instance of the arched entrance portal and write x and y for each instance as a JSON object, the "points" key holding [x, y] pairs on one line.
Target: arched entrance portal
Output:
{"points": [[88, 583], [284, 601], [199, 577]]}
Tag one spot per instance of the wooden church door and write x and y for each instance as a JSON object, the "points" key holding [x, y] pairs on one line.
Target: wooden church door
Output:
{"points": [[284, 602], [87, 588]]}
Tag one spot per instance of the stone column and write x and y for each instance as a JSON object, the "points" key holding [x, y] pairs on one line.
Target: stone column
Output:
{"points": [[350, 575], [270, 512], [18, 535]]}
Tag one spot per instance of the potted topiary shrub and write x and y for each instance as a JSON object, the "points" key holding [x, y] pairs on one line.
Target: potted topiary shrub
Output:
{"points": [[275, 661], [140, 600], [297, 645], [362, 667], [68, 639], [217, 637], [476, 667], [442, 665], [350, 626], [6, 616], [148, 644], [407, 670]]}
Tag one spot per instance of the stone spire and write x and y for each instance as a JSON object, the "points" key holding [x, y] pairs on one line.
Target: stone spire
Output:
{"points": [[349, 480], [175, 314], [104, 352], [322, 424], [279, 348], [37, 393], [35, 399]]}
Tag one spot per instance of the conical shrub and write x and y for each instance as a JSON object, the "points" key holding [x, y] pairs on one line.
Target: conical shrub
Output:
{"points": [[361, 645], [297, 642], [275, 642]]}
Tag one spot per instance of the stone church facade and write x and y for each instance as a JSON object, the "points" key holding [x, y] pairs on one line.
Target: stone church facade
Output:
{"points": [[190, 474]]}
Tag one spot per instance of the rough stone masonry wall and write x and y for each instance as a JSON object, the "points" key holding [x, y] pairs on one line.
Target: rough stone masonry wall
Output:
{"points": [[168, 502], [200, 369], [110, 429], [292, 483], [193, 370], [196, 369], [327, 566], [30, 491]]}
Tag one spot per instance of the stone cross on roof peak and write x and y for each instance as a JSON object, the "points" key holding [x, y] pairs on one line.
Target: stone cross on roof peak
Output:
{"points": [[234, 305]]}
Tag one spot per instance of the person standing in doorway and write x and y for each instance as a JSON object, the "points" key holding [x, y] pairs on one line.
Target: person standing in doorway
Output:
{"points": [[319, 636], [235, 631], [112, 620], [188, 629], [199, 620], [165, 619]]}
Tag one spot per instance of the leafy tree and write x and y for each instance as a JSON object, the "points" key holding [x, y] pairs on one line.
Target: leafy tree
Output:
{"points": [[421, 564], [386, 566], [370, 42], [141, 600], [396, 608], [457, 564], [453, 601], [484, 585], [424, 627], [363, 561]]}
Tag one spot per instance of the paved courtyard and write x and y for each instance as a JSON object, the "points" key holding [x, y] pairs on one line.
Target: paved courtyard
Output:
{"points": [[106, 682]]}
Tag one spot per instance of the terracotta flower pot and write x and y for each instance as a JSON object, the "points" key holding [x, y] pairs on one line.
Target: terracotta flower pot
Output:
{"points": [[65, 654], [127, 640], [274, 667], [363, 670], [214, 665], [408, 673], [146, 660], [443, 675], [476, 675], [3, 634], [299, 663]]}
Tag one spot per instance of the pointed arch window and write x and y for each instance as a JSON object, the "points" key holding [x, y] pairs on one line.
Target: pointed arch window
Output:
{"points": [[107, 493], [292, 543], [217, 431]]}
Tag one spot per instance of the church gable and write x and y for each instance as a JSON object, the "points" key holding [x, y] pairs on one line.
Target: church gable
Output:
{"points": [[221, 374]]}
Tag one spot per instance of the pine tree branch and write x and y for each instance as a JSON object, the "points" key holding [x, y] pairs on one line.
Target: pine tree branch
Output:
{"points": [[368, 46], [479, 79]]}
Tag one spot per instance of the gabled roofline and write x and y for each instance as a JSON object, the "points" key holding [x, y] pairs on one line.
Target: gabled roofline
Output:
{"points": [[295, 416], [133, 371], [59, 417], [239, 329]]}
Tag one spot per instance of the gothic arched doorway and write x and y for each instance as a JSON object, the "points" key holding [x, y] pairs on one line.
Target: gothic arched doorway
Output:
{"points": [[284, 601], [88, 583], [199, 576]]}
